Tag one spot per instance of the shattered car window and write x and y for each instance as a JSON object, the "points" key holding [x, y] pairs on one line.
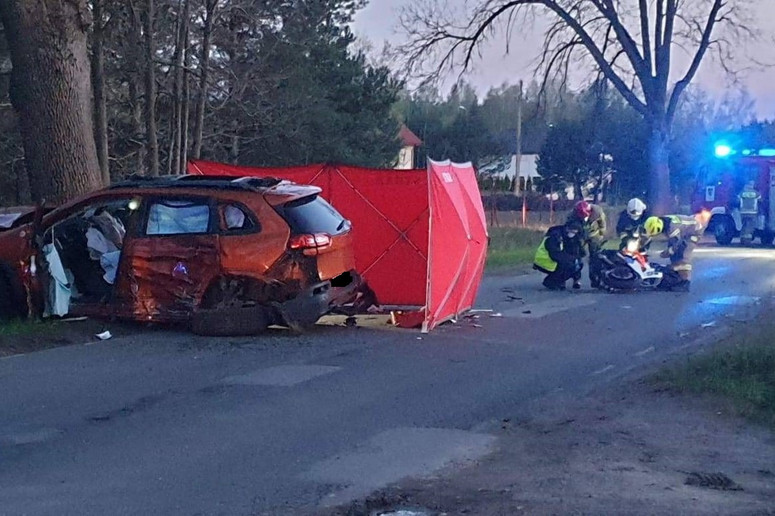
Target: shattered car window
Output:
{"points": [[234, 218], [7, 219], [178, 218]]}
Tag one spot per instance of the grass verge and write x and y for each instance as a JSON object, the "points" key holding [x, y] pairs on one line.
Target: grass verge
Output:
{"points": [[744, 374], [21, 328], [512, 247]]}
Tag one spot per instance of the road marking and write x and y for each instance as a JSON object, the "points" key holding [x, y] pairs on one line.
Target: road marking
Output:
{"points": [[281, 376], [603, 370], [31, 437], [734, 300], [645, 351], [395, 454], [552, 306]]}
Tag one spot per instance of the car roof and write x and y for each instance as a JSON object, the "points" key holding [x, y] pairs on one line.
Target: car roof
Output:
{"points": [[274, 190], [256, 184]]}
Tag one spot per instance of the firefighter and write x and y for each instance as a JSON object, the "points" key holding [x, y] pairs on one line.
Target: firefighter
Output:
{"points": [[557, 256], [592, 219], [683, 234], [748, 207], [630, 223]]}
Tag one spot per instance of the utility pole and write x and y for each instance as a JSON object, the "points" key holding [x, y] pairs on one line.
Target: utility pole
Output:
{"points": [[518, 160], [518, 156]]}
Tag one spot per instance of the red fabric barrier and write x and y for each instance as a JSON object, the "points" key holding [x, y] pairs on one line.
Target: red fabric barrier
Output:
{"points": [[392, 229]]}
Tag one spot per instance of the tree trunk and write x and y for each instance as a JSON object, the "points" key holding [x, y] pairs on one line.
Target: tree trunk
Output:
{"points": [[185, 115], [23, 194], [100, 104], [179, 88], [151, 137], [203, 77], [134, 89], [659, 169], [51, 91]]}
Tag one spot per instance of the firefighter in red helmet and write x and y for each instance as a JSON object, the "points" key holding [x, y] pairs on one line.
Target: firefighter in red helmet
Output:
{"points": [[593, 221]]}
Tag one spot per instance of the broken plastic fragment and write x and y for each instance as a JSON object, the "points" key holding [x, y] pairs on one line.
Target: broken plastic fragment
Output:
{"points": [[105, 335], [709, 324], [497, 314]]}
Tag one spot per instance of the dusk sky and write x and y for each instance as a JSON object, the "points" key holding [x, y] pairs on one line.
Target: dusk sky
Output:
{"points": [[378, 22]]}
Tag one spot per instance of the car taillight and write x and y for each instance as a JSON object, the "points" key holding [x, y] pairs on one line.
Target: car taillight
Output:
{"points": [[310, 242]]}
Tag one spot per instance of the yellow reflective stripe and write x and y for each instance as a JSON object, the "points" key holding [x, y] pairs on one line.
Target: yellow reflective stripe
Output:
{"points": [[542, 258]]}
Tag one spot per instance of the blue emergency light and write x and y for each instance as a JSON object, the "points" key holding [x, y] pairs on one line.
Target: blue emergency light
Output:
{"points": [[722, 150]]}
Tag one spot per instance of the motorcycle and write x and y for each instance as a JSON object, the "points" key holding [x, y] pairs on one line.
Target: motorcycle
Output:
{"points": [[630, 269]]}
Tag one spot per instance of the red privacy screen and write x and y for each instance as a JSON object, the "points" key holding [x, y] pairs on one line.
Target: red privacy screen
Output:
{"points": [[397, 216]]}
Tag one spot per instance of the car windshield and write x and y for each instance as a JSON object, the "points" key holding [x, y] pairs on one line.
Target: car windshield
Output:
{"points": [[312, 214]]}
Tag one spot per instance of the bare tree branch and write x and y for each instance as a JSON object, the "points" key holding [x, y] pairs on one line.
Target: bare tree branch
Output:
{"points": [[705, 42]]}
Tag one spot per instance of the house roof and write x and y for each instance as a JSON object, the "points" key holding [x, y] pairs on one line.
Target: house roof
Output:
{"points": [[408, 138]]}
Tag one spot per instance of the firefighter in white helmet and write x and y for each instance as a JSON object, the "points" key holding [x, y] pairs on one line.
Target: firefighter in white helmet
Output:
{"points": [[630, 223]]}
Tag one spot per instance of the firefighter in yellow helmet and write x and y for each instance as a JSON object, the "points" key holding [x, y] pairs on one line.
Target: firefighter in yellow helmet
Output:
{"points": [[683, 234]]}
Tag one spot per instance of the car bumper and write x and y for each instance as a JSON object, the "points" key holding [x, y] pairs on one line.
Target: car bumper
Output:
{"points": [[317, 300]]}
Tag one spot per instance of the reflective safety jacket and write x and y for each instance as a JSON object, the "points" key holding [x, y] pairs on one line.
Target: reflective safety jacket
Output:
{"points": [[556, 249], [749, 202], [682, 230]]}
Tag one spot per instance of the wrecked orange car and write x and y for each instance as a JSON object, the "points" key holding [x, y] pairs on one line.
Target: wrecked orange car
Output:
{"points": [[230, 256]]}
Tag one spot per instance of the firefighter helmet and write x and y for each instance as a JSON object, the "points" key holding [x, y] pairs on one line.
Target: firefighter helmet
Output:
{"points": [[582, 210], [635, 208], [654, 226]]}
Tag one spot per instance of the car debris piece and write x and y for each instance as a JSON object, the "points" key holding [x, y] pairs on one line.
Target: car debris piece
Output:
{"points": [[105, 335], [709, 324], [480, 311], [497, 314]]}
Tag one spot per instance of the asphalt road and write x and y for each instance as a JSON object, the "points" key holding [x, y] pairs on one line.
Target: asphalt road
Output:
{"points": [[168, 423]]}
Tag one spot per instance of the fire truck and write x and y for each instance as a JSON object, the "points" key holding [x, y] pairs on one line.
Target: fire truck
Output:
{"points": [[719, 190]]}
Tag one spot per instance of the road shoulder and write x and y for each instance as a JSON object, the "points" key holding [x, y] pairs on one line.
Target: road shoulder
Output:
{"points": [[628, 449]]}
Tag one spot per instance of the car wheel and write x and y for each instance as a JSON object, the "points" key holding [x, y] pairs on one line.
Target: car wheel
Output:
{"points": [[724, 231]]}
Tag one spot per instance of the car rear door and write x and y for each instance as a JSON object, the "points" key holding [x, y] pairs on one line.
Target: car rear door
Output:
{"points": [[172, 258], [312, 219]]}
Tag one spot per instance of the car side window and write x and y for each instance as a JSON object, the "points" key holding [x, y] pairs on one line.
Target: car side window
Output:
{"points": [[178, 217], [235, 219]]}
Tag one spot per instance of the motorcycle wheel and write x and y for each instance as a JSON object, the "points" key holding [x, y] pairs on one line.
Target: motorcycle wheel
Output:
{"points": [[620, 278]]}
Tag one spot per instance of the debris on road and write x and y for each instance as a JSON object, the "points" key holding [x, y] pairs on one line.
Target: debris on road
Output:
{"points": [[105, 335], [712, 481], [74, 319], [497, 314], [709, 324]]}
